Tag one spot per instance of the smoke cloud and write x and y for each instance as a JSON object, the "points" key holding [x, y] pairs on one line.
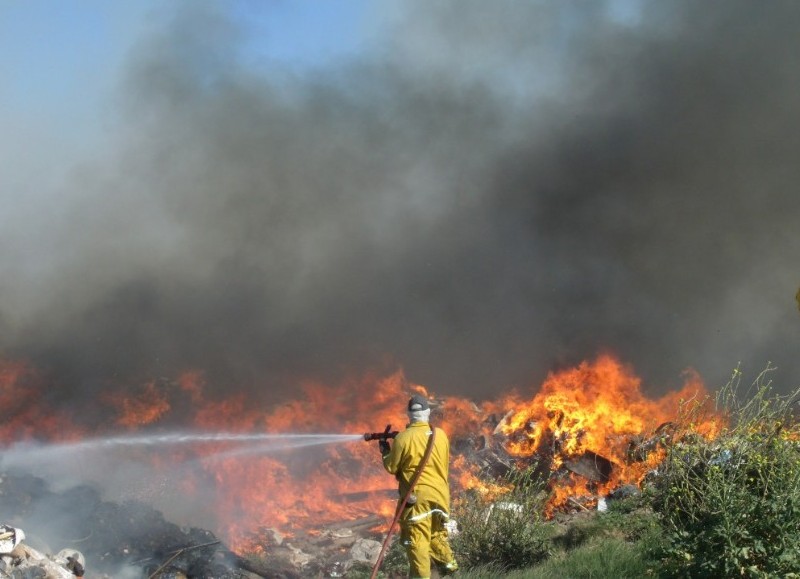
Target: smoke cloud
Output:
{"points": [[492, 191]]}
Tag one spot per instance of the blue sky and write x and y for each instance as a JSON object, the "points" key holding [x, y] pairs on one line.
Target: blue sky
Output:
{"points": [[61, 61], [56, 58], [304, 32], [75, 46]]}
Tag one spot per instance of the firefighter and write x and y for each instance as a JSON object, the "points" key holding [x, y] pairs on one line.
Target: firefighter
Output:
{"points": [[423, 530]]}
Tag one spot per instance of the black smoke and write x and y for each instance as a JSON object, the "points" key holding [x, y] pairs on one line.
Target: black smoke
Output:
{"points": [[491, 191]]}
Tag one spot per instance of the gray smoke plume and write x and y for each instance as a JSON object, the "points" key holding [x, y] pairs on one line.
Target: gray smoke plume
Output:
{"points": [[494, 190]]}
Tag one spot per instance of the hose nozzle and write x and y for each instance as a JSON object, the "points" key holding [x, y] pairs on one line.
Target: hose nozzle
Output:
{"points": [[385, 435]]}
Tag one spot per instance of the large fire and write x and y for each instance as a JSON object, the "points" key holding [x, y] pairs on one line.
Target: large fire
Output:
{"points": [[593, 417]]}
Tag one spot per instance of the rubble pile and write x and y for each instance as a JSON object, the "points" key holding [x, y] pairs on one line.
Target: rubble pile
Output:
{"points": [[134, 540], [331, 552], [111, 540], [22, 561]]}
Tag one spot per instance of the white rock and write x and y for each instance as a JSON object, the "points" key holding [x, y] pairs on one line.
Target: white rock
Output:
{"points": [[365, 550]]}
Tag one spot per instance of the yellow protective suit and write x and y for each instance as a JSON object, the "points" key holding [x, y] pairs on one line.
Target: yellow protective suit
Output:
{"points": [[422, 527]]}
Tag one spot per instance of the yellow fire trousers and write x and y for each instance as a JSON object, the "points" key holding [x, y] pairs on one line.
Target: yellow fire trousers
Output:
{"points": [[425, 537]]}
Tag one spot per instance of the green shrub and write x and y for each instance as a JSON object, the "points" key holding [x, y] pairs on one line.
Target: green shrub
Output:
{"points": [[622, 521], [731, 506], [599, 559], [505, 534]]}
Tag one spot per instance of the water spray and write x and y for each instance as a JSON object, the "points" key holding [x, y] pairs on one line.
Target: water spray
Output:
{"points": [[27, 453]]}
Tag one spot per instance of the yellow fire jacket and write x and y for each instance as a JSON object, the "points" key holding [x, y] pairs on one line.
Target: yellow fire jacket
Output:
{"points": [[406, 454]]}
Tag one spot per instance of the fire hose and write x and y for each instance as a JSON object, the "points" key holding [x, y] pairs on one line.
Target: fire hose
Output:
{"points": [[402, 504]]}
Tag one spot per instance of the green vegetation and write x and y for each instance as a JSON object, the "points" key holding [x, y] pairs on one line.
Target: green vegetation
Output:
{"points": [[621, 543], [731, 506], [506, 534]]}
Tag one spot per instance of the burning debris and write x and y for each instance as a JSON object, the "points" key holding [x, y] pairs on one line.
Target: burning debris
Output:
{"points": [[591, 466], [589, 431], [592, 475], [310, 506]]}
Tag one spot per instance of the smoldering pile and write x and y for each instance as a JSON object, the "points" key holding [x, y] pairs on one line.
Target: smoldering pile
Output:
{"points": [[111, 540], [133, 540]]}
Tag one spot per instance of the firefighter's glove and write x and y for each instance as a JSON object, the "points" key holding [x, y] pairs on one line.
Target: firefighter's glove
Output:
{"points": [[384, 447]]}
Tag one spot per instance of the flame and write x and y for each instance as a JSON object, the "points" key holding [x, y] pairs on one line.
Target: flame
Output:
{"points": [[593, 412], [24, 414], [151, 405], [598, 410]]}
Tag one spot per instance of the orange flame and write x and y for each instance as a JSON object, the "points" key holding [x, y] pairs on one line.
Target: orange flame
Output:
{"points": [[24, 415], [596, 409]]}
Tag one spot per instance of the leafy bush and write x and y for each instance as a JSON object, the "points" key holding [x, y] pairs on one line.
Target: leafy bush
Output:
{"points": [[731, 506], [506, 534], [627, 520], [611, 557]]}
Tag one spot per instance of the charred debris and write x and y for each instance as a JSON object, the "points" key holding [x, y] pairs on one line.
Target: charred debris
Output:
{"points": [[133, 540]]}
